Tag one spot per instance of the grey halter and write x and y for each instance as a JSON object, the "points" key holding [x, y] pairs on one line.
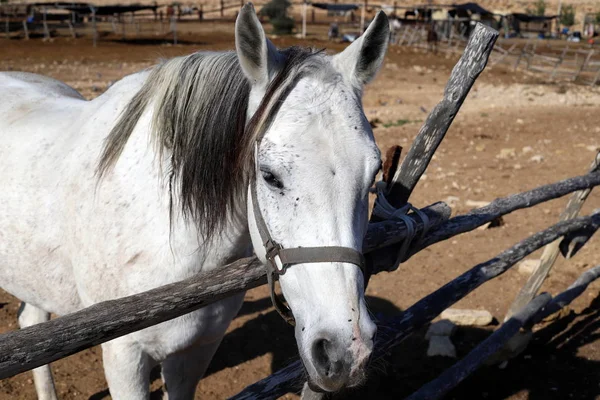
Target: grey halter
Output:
{"points": [[280, 259]]}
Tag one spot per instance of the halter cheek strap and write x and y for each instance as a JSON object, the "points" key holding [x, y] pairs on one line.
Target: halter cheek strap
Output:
{"points": [[280, 259]]}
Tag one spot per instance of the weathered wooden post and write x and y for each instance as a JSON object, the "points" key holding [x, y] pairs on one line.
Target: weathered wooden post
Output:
{"points": [[304, 10], [45, 23], [25, 29], [95, 27], [584, 64], [362, 17], [174, 29], [551, 251]]}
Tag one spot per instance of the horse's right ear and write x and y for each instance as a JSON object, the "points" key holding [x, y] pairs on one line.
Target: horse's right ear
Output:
{"points": [[257, 55], [362, 59]]}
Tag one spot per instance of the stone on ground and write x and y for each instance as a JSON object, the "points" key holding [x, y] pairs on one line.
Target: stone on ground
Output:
{"points": [[441, 328], [441, 346], [468, 317], [526, 267]]}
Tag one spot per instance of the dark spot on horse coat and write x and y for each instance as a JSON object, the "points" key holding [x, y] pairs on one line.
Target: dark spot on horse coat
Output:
{"points": [[133, 259]]}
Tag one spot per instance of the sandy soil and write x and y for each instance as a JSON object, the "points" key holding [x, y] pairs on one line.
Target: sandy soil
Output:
{"points": [[507, 123]]}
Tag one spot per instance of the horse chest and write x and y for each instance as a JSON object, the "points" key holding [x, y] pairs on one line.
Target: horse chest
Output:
{"points": [[197, 328]]}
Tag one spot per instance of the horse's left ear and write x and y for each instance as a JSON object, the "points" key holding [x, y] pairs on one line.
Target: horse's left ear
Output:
{"points": [[257, 55], [362, 59]]}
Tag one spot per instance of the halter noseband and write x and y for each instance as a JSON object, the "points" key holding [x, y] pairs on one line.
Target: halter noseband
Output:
{"points": [[280, 259]]}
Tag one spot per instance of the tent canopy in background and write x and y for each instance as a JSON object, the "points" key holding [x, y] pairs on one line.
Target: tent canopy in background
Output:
{"points": [[335, 7], [473, 8]]}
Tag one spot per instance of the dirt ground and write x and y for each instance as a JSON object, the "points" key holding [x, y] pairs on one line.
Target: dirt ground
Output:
{"points": [[514, 132]]}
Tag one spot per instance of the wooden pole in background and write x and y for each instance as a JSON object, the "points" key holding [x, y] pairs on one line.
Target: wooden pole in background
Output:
{"points": [[95, 27], [362, 17], [304, 9], [551, 251], [174, 29]]}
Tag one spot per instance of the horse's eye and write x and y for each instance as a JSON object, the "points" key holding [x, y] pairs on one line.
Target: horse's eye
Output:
{"points": [[271, 179]]}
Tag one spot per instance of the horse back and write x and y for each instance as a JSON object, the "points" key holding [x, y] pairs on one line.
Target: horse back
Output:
{"points": [[40, 83], [38, 126]]}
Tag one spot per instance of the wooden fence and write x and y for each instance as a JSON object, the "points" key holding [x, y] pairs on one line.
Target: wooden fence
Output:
{"points": [[557, 60], [37, 345]]}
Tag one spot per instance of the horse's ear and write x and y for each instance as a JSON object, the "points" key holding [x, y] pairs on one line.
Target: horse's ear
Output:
{"points": [[362, 59], [257, 55]]}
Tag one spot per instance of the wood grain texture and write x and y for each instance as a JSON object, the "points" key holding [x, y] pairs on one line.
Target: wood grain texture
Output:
{"points": [[551, 251], [463, 76]]}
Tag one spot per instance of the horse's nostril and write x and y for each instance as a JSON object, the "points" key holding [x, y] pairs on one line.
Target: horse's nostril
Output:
{"points": [[328, 358], [336, 368], [320, 356]]}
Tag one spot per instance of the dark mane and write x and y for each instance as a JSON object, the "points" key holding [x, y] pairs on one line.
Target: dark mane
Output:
{"points": [[199, 119]]}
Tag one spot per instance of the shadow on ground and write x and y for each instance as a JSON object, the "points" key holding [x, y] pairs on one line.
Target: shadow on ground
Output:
{"points": [[550, 369]]}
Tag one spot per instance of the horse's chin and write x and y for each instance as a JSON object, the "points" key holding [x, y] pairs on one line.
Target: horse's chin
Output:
{"points": [[315, 388]]}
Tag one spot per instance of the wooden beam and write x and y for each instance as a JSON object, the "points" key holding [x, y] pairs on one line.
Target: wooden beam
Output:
{"points": [[550, 254], [40, 344], [464, 74], [451, 377], [532, 313], [382, 259], [462, 78]]}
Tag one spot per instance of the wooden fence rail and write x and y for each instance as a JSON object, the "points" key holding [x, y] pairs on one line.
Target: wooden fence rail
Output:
{"points": [[394, 330], [533, 312], [31, 347], [565, 63], [550, 254]]}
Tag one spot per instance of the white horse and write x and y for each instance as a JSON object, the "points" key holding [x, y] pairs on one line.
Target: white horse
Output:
{"points": [[148, 185]]}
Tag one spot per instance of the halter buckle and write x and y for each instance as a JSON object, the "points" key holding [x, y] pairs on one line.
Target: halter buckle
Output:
{"points": [[272, 253]]}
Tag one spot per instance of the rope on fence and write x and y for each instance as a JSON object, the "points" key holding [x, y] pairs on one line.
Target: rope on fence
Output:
{"points": [[431, 134]]}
